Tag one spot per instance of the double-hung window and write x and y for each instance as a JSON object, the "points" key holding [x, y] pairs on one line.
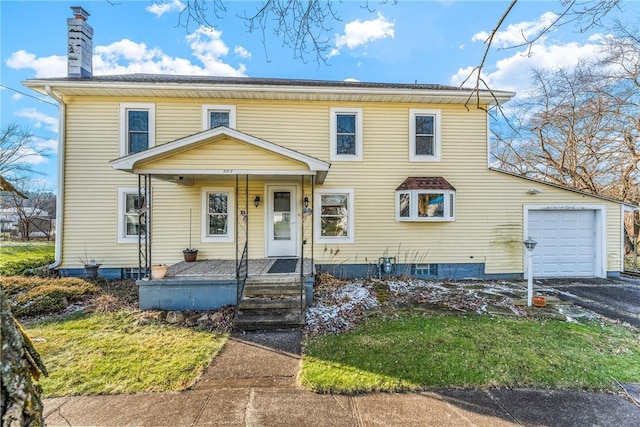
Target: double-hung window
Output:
{"points": [[130, 223], [215, 115], [346, 134], [334, 218], [425, 135], [217, 218], [137, 127]]}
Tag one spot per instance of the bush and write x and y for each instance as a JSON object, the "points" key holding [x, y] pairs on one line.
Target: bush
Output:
{"points": [[33, 296]]}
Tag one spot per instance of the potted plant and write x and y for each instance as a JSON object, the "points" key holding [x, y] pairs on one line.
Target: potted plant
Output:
{"points": [[539, 301], [159, 271], [91, 267], [190, 254]]}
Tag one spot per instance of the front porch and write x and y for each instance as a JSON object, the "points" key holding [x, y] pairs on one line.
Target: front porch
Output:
{"points": [[211, 284], [221, 269]]}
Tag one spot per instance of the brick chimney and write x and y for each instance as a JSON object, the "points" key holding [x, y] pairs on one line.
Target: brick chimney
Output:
{"points": [[79, 60]]}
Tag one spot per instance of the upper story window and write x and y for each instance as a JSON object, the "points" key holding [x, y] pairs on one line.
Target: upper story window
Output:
{"points": [[137, 127], [214, 115], [346, 134], [217, 218], [425, 199], [424, 134], [334, 218]]}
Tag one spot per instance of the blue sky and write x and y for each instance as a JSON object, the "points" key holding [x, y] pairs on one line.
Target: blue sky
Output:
{"points": [[424, 41]]}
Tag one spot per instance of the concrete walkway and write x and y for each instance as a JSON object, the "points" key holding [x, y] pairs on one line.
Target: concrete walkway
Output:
{"points": [[254, 382]]}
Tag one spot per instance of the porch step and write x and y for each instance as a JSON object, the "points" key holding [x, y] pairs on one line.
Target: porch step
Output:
{"points": [[258, 322], [266, 304], [270, 303]]}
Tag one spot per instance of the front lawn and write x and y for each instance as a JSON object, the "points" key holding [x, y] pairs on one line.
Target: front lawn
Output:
{"points": [[116, 353], [22, 257], [475, 351]]}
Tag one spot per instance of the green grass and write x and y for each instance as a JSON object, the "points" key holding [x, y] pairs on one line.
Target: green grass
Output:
{"points": [[471, 351], [20, 258], [110, 353], [37, 296]]}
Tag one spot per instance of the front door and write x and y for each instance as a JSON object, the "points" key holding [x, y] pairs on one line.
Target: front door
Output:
{"points": [[282, 221]]}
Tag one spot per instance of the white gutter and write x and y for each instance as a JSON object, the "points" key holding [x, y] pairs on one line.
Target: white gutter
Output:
{"points": [[460, 96], [60, 197]]}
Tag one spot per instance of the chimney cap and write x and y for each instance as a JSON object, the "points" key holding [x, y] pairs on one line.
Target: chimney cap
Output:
{"points": [[80, 13]]}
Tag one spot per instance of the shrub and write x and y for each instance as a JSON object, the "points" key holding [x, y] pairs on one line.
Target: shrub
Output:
{"points": [[33, 296]]}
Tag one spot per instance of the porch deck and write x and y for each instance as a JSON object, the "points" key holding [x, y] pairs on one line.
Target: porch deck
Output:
{"points": [[219, 269], [211, 284]]}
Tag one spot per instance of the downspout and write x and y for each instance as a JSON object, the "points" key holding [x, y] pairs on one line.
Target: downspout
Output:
{"points": [[60, 197]]}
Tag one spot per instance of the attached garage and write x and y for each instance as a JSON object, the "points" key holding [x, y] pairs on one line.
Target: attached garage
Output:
{"points": [[570, 242]]}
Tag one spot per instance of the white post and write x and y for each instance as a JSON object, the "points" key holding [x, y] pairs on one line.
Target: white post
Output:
{"points": [[529, 277], [529, 244]]}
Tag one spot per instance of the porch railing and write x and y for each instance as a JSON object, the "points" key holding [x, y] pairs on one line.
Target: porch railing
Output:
{"points": [[242, 271]]}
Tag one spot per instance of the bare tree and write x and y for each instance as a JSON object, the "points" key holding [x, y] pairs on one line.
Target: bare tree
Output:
{"points": [[34, 215], [16, 151], [579, 129], [304, 25]]}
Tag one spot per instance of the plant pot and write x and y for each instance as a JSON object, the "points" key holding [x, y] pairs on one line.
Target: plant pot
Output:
{"points": [[190, 255], [91, 271], [539, 301], [159, 271]]}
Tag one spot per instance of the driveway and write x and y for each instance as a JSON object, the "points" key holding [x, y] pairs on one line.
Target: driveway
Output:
{"points": [[617, 299]]}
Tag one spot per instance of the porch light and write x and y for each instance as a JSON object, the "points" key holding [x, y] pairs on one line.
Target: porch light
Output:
{"points": [[305, 201], [256, 201]]}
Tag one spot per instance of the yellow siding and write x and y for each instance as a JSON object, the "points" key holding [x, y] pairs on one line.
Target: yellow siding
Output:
{"points": [[489, 210], [225, 154]]}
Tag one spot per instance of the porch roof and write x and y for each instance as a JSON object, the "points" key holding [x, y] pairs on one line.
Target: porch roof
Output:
{"points": [[220, 152]]}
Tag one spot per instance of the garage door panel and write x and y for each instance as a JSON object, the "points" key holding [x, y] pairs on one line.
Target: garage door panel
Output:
{"points": [[566, 242]]}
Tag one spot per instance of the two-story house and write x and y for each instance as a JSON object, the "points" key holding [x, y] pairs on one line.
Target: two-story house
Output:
{"points": [[357, 179]]}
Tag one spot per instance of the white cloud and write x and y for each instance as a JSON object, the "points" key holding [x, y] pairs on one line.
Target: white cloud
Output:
{"points": [[241, 52], [126, 56], [16, 97], [160, 9], [512, 72], [50, 145], [209, 48], [358, 33], [39, 119], [516, 34], [46, 66]]}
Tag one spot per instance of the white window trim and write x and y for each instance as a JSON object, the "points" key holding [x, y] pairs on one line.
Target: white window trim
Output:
{"points": [[413, 206], [333, 131], [231, 205], [413, 157], [231, 109], [317, 207], [122, 191], [126, 106]]}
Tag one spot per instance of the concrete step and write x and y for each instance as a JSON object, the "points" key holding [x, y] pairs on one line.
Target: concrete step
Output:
{"points": [[263, 303], [256, 322], [271, 290], [272, 302]]}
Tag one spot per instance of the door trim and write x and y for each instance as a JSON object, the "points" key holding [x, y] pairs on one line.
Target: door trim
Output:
{"points": [[269, 188]]}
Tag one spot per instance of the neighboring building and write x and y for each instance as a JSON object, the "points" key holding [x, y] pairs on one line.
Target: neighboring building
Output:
{"points": [[26, 223], [343, 173]]}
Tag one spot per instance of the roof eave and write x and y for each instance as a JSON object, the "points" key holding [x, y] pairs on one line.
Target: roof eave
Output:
{"points": [[461, 96]]}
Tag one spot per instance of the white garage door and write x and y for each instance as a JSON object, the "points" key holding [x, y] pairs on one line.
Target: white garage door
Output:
{"points": [[566, 243]]}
